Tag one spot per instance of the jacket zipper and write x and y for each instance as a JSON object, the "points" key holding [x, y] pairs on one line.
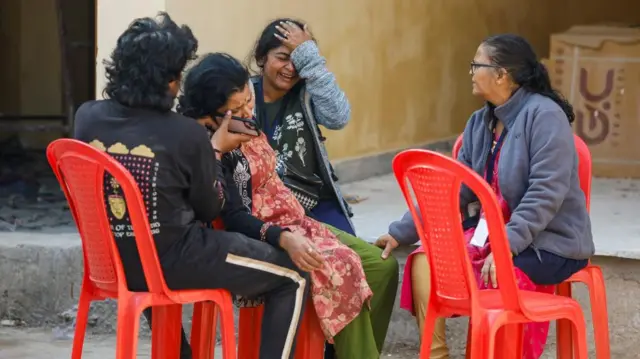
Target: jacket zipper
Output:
{"points": [[326, 170]]}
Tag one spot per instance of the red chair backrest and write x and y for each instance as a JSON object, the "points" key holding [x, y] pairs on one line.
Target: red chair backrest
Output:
{"points": [[218, 224], [584, 164], [436, 179], [80, 169], [456, 147], [584, 168]]}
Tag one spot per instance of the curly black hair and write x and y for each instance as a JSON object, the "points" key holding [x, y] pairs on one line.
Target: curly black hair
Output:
{"points": [[149, 55], [209, 84]]}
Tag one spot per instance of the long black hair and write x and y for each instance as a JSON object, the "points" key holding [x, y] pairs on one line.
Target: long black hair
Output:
{"points": [[148, 56], [515, 54], [267, 42], [209, 84]]}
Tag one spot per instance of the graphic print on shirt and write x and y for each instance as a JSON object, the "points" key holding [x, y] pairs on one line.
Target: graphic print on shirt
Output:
{"points": [[283, 157], [241, 177], [294, 122], [117, 203], [277, 134], [301, 150], [141, 163]]}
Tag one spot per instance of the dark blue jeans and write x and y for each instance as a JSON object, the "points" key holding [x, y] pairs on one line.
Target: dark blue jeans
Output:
{"points": [[546, 268], [328, 211]]}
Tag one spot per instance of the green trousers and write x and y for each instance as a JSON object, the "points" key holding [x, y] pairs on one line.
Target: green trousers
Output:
{"points": [[364, 337]]}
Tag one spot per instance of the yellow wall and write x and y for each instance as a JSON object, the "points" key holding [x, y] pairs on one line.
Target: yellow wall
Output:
{"points": [[403, 64], [113, 17]]}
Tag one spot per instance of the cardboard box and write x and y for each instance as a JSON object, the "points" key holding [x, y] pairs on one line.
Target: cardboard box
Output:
{"points": [[597, 68]]}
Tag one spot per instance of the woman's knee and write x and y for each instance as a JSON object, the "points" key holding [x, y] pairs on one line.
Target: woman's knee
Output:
{"points": [[382, 273], [390, 267], [420, 265]]}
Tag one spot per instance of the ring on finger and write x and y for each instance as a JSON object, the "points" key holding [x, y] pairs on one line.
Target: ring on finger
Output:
{"points": [[309, 250]]}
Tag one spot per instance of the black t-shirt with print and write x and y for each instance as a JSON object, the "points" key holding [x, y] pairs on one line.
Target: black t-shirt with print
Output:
{"points": [[291, 140], [293, 143], [172, 160]]}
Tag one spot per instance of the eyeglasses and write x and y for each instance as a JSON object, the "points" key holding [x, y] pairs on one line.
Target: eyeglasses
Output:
{"points": [[474, 66]]}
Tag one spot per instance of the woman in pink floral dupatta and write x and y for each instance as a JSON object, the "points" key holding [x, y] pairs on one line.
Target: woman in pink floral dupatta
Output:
{"points": [[352, 289], [522, 143]]}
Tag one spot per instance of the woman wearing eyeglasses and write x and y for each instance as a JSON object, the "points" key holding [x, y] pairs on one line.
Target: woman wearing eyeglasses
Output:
{"points": [[259, 205], [522, 143]]}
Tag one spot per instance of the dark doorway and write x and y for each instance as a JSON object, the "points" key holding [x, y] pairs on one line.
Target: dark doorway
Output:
{"points": [[47, 68]]}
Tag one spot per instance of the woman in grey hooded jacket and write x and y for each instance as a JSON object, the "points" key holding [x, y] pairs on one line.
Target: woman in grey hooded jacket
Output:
{"points": [[522, 143]]}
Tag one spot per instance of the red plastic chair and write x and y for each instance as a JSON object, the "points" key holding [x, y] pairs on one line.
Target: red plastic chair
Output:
{"points": [[436, 179], [80, 169], [309, 342], [591, 276]]}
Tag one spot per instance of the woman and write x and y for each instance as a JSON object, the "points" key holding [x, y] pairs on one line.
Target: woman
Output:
{"points": [[345, 271], [522, 142], [294, 94]]}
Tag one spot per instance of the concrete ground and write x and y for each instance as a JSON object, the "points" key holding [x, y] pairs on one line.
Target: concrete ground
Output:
{"points": [[41, 274], [38, 344]]}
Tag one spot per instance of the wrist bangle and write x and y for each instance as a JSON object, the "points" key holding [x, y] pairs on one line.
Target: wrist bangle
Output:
{"points": [[263, 231]]}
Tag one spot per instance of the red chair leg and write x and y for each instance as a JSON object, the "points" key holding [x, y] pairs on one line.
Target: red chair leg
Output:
{"points": [[310, 340], [310, 343], [478, 338], [203, 330], [564, 329], [82, 317], [600, 315], [250, 324], [128, 328], [228, 329], [509, 341], [467, 353], [166, 331]]}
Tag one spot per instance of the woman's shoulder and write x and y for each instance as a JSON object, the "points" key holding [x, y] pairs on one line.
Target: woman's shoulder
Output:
{"points": [[538, 104], [543, 115]]}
